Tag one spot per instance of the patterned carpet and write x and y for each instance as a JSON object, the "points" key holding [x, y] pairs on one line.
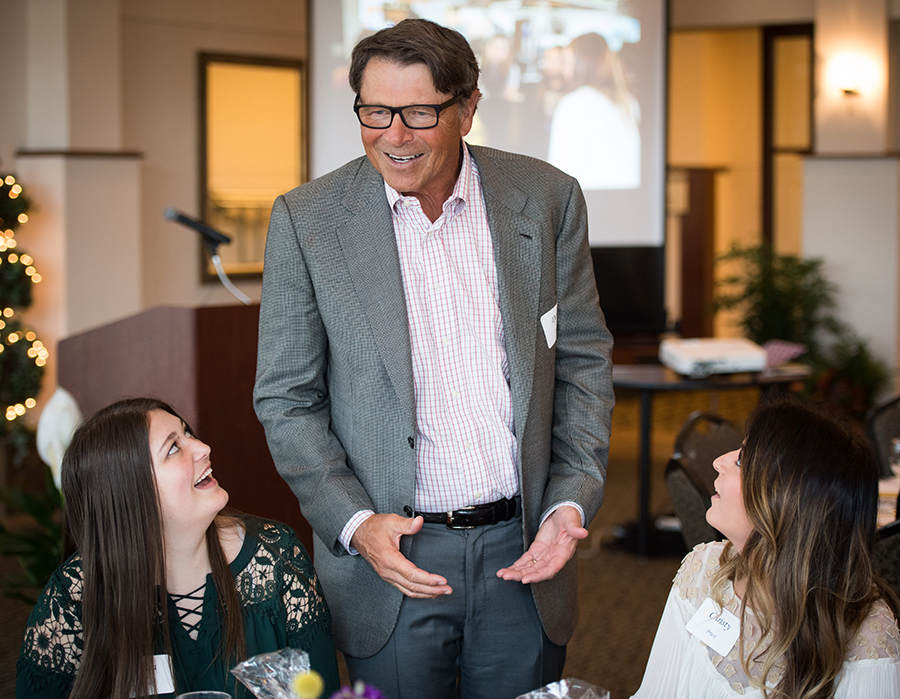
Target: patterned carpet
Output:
{"points": [[621, 596]]}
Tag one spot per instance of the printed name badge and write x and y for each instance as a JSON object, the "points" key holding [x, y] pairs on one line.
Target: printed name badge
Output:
{"points": [[717, 629], [548, 322], [164, 682]]}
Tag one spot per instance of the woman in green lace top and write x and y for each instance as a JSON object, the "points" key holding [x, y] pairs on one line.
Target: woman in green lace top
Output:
{"points": [[144, 604]]}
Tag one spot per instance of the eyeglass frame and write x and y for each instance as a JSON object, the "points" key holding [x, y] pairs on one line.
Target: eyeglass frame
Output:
{"points": [[438, 108]]}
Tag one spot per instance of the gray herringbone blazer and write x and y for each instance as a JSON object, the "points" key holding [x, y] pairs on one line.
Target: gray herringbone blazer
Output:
{"points": [[334, 386]]}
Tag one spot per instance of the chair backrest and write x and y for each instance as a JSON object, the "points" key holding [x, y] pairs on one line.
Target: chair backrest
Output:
{"points": [[690, 505], [703, 438], [882, 426], [690, 473], [887, 554]]}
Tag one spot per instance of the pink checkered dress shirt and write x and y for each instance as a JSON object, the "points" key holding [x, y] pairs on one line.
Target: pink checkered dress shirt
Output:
{"points": [[466, 446]]}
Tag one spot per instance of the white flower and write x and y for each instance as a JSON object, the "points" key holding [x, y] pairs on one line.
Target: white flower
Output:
{"points": [[55, 428]]}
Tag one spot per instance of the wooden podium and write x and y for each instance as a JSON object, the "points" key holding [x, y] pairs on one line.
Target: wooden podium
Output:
{"points": [[202, 361]]}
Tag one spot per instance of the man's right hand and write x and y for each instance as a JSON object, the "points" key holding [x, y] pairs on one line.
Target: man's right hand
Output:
{"points": [[378, 541]]}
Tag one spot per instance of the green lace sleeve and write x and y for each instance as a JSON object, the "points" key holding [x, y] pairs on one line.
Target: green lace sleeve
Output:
{"points": [[293, 574], [53, 644]]}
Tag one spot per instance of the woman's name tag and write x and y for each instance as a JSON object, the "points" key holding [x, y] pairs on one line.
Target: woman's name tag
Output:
{"points": [[165, 684], [719, 629]]}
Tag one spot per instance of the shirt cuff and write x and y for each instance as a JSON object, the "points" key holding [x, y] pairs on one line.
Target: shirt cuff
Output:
{"points": [[346, 535], [555, 508]]}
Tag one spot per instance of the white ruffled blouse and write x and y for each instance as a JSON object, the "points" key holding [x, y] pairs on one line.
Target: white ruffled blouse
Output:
{"points": [[681, 666]]}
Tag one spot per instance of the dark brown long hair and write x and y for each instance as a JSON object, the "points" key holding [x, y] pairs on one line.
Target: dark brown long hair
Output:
{"points": [[810, 489], [112, 518]]}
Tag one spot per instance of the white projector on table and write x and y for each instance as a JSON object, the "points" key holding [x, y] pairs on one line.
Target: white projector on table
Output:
{"points": [[711, 355]]}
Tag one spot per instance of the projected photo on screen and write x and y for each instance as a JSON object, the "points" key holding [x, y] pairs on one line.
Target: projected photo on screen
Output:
{"points": [[578, 84]]}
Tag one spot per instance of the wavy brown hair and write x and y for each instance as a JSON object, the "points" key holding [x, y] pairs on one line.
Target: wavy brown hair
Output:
{"points": [[112, 518], [810, 489]]}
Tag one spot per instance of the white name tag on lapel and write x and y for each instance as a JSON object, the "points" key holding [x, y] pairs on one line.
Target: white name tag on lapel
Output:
{"points": [[717, 629], [548, 323]]}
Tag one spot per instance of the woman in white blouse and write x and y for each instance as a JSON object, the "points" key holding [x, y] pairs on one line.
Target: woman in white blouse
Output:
{"points": [[789, 606]]}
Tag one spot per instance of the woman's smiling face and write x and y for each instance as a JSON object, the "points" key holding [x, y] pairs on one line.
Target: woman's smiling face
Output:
{"points": [[726, 512], [189, 496]]}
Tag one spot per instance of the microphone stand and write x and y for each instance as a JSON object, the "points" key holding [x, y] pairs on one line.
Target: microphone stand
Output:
{"points": [[226, 282]]}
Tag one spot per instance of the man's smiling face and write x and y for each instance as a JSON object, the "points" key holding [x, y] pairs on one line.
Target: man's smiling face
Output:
{"points": [[419, 162]]}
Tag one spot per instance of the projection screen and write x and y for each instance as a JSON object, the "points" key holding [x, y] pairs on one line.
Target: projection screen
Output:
{"points": [[580, 84]]}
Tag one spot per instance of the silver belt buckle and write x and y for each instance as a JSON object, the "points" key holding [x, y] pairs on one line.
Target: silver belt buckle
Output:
{"points": [[452, 525]]}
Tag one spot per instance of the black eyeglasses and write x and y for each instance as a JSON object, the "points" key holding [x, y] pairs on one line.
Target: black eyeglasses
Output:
{"points": [[413, 116]]}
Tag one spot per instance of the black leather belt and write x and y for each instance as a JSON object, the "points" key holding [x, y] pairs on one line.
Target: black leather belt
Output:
{"points": [[475, 515]]}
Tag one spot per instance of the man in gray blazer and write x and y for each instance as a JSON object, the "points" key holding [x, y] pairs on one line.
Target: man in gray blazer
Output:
{"points": [[434, 379]]}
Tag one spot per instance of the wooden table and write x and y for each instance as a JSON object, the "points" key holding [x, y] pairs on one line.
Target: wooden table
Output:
{"points": [[648, 379]]}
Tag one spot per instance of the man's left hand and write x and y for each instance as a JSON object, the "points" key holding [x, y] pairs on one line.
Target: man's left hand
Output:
{"points": [[552, 548]]}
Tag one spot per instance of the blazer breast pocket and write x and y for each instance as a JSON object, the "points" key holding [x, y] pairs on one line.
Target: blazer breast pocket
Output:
{"points": [[548, 324]]}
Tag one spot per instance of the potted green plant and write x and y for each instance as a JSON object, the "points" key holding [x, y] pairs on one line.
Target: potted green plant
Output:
{"points": [[784, 297]]}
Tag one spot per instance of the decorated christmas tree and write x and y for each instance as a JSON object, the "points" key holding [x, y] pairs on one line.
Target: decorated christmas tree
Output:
{"points": [[22, 355], [38, 545]]}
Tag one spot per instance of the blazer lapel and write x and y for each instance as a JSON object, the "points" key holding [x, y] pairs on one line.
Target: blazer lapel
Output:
{"points": [[370, 250], [517, 254]]}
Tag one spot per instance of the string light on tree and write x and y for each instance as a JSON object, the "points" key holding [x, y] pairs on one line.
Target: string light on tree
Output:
{"points": [[22, 354]]}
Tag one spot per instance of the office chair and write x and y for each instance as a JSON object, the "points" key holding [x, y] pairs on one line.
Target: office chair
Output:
{"points": [[882, 426], [887, 554], [690, 473]]}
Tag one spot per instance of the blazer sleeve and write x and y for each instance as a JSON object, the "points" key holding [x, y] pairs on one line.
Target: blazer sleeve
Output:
{"points": [[291, 395], [583, 395]]}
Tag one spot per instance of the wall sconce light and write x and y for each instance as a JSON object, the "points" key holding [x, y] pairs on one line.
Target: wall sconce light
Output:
{"points": [[852, 73]]}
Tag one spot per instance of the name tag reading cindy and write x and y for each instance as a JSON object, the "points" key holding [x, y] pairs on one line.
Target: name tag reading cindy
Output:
{"points": [[717, 629]]}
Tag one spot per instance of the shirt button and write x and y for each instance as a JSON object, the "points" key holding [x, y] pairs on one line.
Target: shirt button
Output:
{"points": [[468, 446]]}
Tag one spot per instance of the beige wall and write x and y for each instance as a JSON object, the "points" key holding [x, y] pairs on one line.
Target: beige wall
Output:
{"points": [[855, 30], [851, 220], [13, 80], [688, 14], [695, 14], [714, 121], [160, 45]]}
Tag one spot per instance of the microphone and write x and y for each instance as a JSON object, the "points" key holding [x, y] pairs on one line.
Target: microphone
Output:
{"points": [[210, 235]]}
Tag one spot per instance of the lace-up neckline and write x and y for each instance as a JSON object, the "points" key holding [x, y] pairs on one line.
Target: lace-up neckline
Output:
{"points": [[278, 594], [190, 609]]}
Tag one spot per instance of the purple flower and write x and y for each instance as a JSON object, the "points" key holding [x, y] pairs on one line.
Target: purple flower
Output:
{"points": [[359, 690]]}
